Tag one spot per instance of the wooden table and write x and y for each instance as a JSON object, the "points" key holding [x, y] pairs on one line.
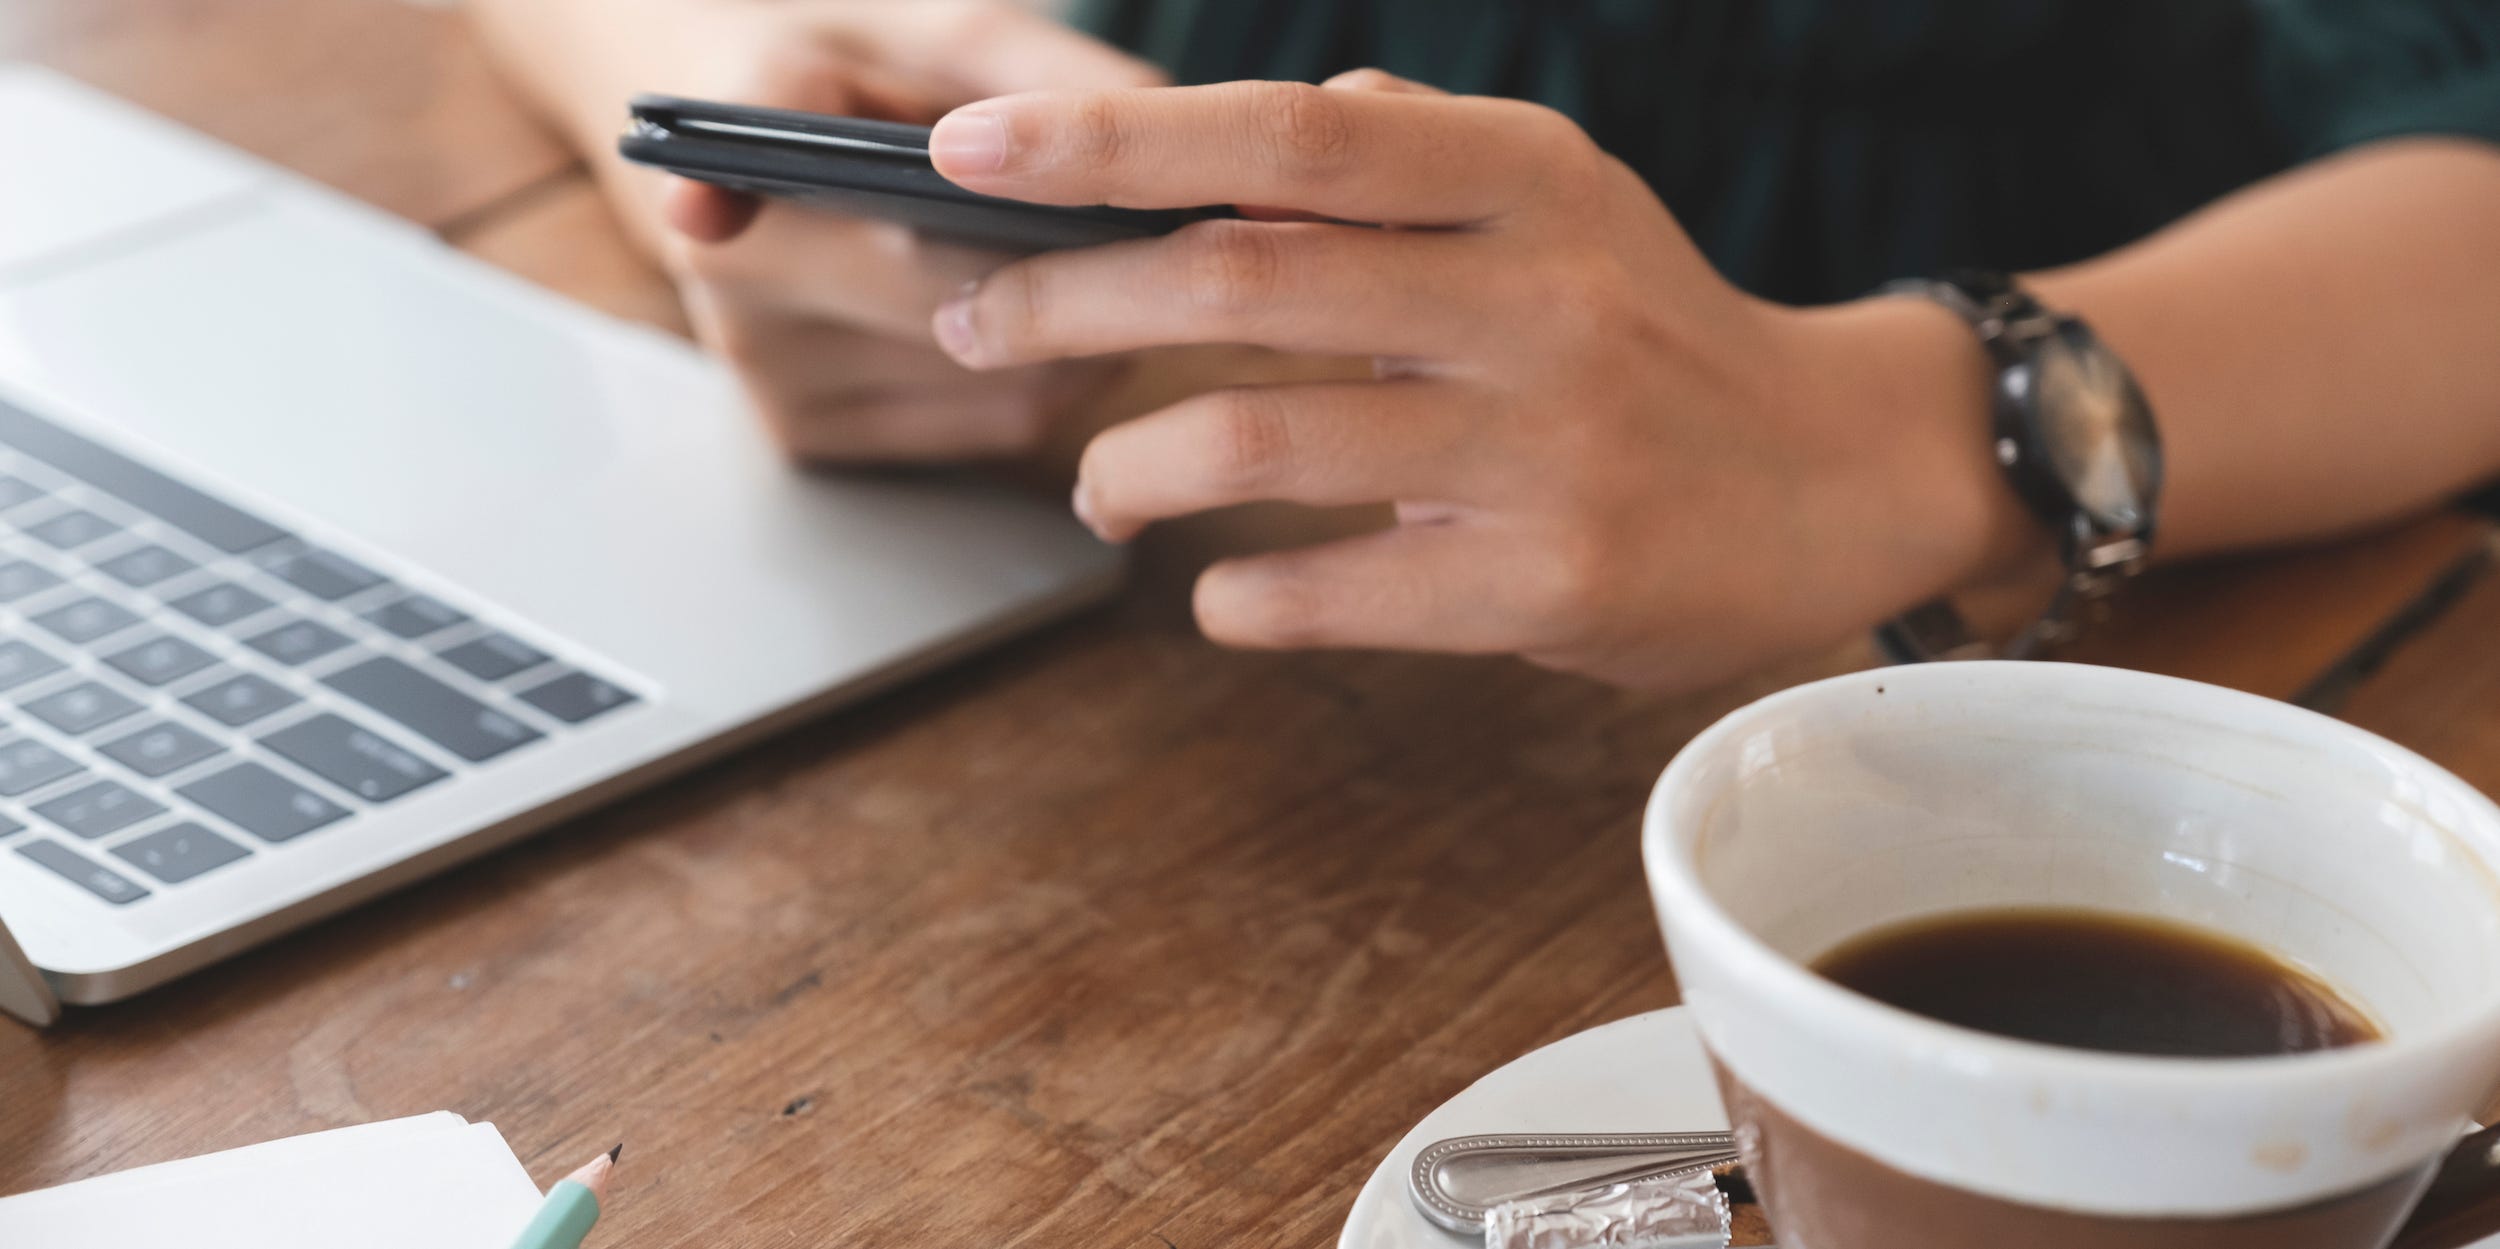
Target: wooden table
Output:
{"points": [[1107, 938]]}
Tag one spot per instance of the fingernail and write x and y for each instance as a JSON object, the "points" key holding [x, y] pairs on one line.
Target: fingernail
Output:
{"points": [[968, 141], [1082, 503], [953, 327]]}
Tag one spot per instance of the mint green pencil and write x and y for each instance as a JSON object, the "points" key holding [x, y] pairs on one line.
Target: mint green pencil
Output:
{"points": [[571, 1207]]}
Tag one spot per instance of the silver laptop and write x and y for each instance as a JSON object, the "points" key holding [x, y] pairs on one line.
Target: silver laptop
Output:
{"points": [[329, 557]]}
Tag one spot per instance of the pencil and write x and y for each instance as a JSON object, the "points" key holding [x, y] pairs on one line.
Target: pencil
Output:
{"points": [[571, 1207]]}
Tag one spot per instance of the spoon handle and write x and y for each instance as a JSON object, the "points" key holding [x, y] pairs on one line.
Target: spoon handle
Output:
{"points": [[1455, 1182]]}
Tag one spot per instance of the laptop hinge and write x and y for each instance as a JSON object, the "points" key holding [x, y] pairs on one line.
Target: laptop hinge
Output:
{"points": [[23, 991]]}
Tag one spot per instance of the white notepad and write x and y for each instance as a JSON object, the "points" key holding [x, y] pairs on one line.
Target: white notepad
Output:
{"points": [[430, 1182]]}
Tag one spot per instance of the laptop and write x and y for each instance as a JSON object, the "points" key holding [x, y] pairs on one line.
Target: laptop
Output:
{"points": [[330, 557]]}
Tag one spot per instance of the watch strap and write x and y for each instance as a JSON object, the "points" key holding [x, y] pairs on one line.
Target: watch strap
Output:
{"points": [[2009, 322]]}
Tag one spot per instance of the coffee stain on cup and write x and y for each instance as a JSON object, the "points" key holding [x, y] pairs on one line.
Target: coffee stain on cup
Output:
{"points": [[2370, 1131]]}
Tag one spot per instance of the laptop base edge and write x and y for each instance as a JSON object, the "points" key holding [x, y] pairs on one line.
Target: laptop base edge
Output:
{"points": [[101, 987]]}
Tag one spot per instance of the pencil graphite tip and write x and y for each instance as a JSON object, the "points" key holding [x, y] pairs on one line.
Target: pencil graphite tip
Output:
{"points": [[613, 1153], [593, 1174]]}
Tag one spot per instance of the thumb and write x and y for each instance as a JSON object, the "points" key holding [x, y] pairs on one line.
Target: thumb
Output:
{"points": [[707, 213]]}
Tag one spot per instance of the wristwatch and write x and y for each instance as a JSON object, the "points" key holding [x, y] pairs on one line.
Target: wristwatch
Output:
{"points": [[2077, 443]]}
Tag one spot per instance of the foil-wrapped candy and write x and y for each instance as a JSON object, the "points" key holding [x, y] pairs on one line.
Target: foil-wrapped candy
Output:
{"points": [[1669, 1212]]}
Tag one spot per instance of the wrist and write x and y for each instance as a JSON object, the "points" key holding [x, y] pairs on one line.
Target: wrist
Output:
{"points": [[578, 61], [1919, 380]]}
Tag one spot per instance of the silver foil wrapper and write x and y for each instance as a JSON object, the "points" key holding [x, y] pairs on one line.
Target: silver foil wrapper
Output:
{"points": [[1671, 1212]]}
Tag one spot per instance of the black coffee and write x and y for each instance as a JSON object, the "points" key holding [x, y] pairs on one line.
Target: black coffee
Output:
{"points": [[2097, 981]]}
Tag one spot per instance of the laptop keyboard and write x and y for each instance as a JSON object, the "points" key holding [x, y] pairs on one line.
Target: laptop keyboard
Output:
{"points": [[187, 689]]}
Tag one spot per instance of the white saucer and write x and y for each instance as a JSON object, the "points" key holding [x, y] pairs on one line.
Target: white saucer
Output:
{"points": [[1642, 1074]]}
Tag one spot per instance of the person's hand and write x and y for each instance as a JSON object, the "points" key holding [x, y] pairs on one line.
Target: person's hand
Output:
{"points": [[1603, 456], [825, 318]]}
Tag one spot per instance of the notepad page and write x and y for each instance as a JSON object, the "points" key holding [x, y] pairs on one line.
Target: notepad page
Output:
{"points": [[403, 1186], [268, 1154]]}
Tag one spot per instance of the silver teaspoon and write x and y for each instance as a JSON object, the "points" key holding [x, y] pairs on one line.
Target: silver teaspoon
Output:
{"points": [[1455, 1182]]}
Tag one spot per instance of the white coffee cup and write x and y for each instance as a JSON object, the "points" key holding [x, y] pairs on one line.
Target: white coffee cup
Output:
{"points": [[1820, 813]]}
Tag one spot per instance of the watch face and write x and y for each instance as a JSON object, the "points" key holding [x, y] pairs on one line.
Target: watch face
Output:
{"points": [[2095, 429]]}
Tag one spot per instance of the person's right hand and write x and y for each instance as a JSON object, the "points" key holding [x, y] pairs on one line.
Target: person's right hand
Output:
{"points": [[826, 318]]}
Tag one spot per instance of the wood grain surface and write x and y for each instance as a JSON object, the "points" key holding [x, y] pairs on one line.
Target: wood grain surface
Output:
{"points": [[2440, 693], [389, 102], [1106, 938]]}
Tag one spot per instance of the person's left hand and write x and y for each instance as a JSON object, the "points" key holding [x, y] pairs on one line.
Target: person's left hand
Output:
{"points": [[1604, 457]]}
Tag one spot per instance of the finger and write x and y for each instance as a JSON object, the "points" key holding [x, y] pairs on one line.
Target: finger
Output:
{"points": [[1350, 80], [1415, 587], [989, 49], [878, 276], [1369, 79], [1393, 157], [1292, 286], [707, 213], [808, 74], [908, 428], [827, 391], [887, 94], [819, 357], [820, 417], [1319, 443], [822, 71]]}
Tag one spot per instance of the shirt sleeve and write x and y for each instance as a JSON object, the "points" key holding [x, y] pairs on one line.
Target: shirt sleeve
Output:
{"points": [[2338, 74], [2342, 73]]}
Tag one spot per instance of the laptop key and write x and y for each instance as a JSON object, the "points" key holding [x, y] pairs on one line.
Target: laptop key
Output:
{"points": [[74, 528], [159, 660], [298, 641], [443, 715], [91, 811], [142, 566], [21, 662], [323, 574], [221, 604], [494, 656], [18, 578], [416, 616], [15, 490], [263, 803], [159, 748], [79, 708], [26, 766], [10, 828], [86, 619], [242, 699], [575, 697], [358, 760], [177, 854], [83, 872], [213, 521]]}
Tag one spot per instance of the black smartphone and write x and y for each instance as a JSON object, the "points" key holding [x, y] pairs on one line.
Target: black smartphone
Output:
{"points": [[864, 168]]}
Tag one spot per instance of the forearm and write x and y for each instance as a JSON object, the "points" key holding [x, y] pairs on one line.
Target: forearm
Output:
{"points": [[2322, 350]]}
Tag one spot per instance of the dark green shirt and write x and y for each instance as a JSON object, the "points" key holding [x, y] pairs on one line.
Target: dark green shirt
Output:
{"points": [[1815, 148]]}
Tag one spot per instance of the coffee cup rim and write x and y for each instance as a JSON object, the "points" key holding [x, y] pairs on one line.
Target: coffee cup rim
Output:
{"points": [[1676, 886]]}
